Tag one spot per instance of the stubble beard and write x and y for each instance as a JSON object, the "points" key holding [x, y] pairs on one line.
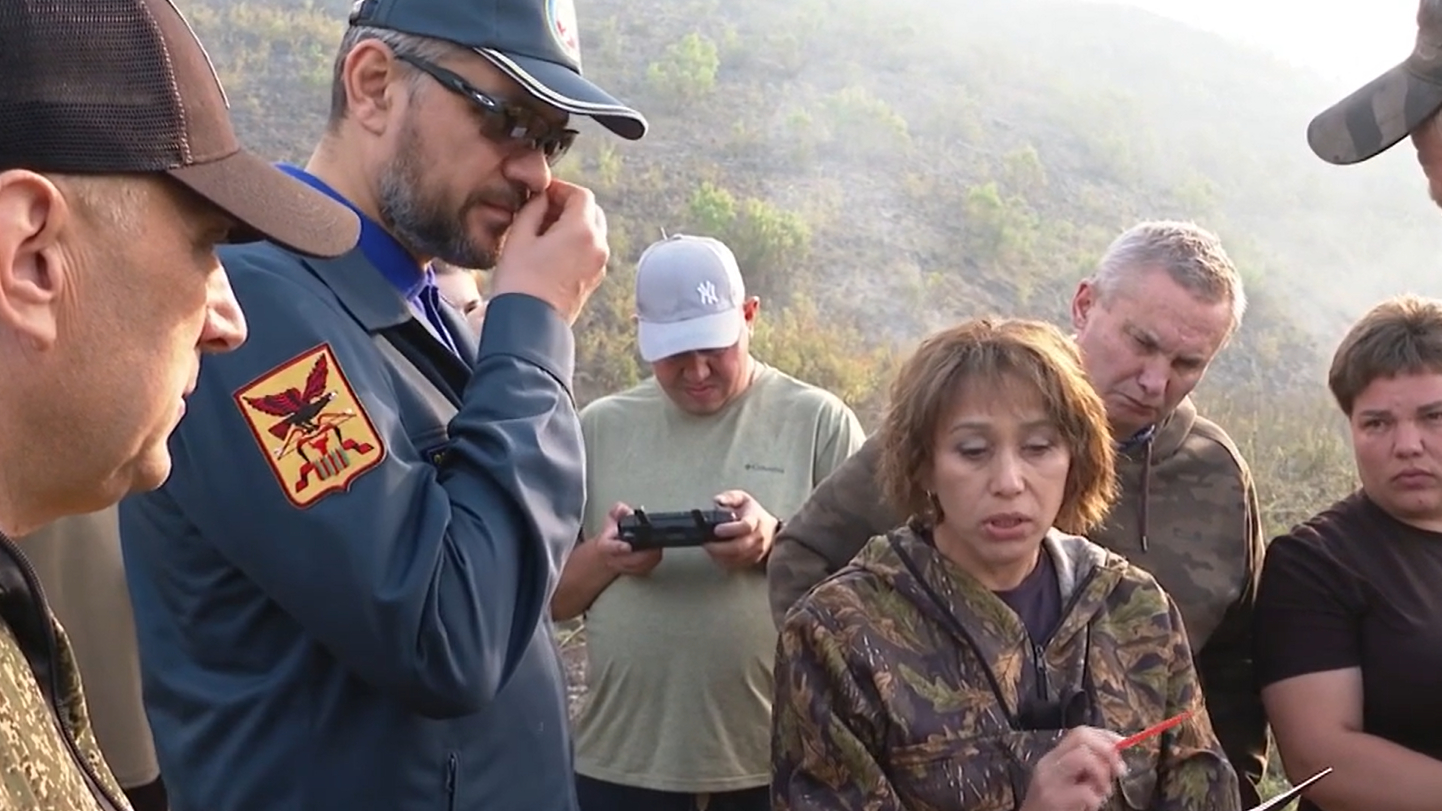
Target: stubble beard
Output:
{"points": [[420, 221]]}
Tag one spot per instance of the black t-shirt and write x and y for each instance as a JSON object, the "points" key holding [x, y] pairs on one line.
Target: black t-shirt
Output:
{"points": [[1037, 599], [1355, 587]]}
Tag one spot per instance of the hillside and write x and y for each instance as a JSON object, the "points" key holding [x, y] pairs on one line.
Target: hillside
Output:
{"points": [[882, 173], [899, 170], [882, 170]]}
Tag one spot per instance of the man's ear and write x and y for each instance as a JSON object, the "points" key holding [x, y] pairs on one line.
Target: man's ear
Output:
{"points": [[1082, 303], [749, 309], [370, 74], [33, 215]]}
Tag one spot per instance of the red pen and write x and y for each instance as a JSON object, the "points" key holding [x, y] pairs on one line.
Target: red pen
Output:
{"points": [[1152, 730]]}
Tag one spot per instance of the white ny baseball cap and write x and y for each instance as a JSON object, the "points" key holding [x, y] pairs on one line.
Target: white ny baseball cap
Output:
{"points": [[689, 297]]}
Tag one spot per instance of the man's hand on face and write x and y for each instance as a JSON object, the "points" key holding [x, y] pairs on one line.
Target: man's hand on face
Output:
{"points": [[556, 249], [747, 540], [616, 554]]}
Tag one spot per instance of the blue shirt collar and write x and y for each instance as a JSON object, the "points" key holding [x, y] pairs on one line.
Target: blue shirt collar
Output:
{"points": [[1138, 439], [376, 243]]}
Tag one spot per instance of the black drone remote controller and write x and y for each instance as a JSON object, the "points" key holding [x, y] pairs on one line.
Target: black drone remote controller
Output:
{"points": [[643, 530]]}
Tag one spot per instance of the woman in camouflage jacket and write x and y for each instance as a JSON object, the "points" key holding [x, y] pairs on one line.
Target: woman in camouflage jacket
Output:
{"points": [[981, 658]]}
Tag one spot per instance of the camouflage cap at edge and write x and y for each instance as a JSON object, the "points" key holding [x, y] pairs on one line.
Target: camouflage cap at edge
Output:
{"points": [[1389, 107]]}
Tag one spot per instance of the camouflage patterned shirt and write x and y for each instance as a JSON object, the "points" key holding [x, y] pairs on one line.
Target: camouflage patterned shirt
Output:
{"points": [[899, 681], [39, 770], [1187, 514]]}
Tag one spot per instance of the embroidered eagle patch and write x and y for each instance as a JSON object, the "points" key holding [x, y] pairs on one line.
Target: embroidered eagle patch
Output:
{"points": [[310, 425]]}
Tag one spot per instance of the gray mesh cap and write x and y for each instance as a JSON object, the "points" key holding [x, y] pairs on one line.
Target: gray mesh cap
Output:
{"points": [[535, 42], [1385, 110], [120, 86], [689, 297]]}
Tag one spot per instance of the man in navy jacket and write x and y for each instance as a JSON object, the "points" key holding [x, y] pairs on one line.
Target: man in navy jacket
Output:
{"points": [[341, 591]]}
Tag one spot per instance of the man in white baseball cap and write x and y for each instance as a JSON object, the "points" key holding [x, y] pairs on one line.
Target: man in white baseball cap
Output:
{"points": [[680, 641], [689, 296]]}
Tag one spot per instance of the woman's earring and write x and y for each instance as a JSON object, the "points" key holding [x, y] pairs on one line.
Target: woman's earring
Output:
{"points": [[936, 511]]}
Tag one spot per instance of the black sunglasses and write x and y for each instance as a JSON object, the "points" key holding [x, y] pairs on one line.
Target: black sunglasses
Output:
{"points": [[502, 122]]}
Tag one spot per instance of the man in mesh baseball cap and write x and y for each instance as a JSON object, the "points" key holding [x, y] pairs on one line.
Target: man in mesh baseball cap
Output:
{"points": [[1401, 102], [119, 175]]}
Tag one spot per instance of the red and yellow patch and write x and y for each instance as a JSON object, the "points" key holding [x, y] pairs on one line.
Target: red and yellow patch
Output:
{"points": [[311, 426]]}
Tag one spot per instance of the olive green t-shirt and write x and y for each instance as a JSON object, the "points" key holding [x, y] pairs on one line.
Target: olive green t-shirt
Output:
{"points": [[680, 661]]}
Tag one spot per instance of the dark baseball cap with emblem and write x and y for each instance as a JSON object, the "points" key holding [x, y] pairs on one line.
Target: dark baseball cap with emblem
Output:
{"points": [[535, 42], [1387, 109], [124, 86]]}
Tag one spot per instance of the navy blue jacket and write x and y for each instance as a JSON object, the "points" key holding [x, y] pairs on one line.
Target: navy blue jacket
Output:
{"points": [[341, 591]]}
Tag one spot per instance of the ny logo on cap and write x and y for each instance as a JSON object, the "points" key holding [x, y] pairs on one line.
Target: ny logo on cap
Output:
{"points": [[707, 291]]}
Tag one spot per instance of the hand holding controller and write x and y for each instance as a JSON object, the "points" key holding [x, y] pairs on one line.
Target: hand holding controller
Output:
{"points": [[680, 528]]}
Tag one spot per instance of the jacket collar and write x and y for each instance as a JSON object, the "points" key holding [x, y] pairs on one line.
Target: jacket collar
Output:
{"points": [[383, 250], [912, 564], [1164, 438], [363, 291], [375, 279]]}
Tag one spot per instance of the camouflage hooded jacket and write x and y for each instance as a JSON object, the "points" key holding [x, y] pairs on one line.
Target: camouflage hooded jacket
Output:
{"points": [[1187, 514], [900, 679], [49, 759]]}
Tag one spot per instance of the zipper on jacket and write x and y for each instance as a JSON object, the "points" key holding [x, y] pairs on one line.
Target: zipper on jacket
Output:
{"points": [[451, 768], [1071, 604], [37, 602], [1038, 649], [1038, 660]]}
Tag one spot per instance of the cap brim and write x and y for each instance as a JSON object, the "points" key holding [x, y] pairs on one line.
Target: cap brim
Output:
{"points": [[564, 89], [662, 340], [271, 205], [1375, 117]]}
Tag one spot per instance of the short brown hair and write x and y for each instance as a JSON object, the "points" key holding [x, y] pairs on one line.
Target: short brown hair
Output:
{"points": [[1401, 335], [996, 351]]}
